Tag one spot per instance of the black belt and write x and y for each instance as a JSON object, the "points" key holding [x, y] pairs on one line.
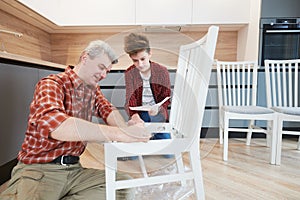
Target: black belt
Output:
{"points": [[66, 160]]}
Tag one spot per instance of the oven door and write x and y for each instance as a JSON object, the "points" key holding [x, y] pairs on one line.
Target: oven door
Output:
{"points": [[280, 42]]}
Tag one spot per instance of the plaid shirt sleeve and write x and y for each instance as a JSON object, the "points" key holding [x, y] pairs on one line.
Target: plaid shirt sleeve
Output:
{"points": [[102, 106], [133, 90], [47, 108], [161, 87]]}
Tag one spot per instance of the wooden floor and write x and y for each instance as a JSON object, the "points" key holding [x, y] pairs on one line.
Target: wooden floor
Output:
{"points": [[246, 175]]}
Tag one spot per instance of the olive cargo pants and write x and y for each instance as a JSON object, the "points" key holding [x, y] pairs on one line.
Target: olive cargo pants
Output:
{"points": [[54, 182]]}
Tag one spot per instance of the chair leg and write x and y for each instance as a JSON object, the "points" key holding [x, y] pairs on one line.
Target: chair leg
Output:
{"points": [[142, 165], [249, 134], [279, 141], [298, 146], [180, 166], [272, 140], [269, 135], [220, 135], [225, 145], [195, 161], [221, 126], [110, 174]]}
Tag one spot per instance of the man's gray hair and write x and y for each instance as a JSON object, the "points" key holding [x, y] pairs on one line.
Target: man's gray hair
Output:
{"points": [[99, 47]]}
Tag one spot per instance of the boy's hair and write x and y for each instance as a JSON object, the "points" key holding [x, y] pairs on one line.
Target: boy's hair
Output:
{"points": [[134, 43]]}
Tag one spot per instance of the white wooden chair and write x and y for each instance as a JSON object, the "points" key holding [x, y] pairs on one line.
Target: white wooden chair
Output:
{"points": [[237, 88], [283, 96], [187, 109]]}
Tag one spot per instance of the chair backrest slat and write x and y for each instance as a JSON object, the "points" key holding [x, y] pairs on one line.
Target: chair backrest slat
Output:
{"points": [[290, 92], [296, 85], [273, 85], [249, 85], [229, 88], [224, 83], [279, 86], [238, 83], [284, 85]]}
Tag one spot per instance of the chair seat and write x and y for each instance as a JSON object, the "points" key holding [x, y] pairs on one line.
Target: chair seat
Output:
{"points": [[287, 110], [247, 109]]}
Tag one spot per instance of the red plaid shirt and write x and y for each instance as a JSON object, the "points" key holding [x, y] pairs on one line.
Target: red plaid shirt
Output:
{"points": [[56, 98], [159, 83]]}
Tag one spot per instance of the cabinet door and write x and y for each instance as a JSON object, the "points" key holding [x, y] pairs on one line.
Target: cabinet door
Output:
{"points": [[87, 12], [221, 11], [160, 12], [16, 87], [112, 12]]}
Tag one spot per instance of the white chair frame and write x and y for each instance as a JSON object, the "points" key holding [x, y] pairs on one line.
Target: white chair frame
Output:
{"points": [[187, 109], [282, 86], [237, 93]]}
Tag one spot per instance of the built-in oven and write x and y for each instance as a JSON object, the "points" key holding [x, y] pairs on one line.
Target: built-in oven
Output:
{"points": [[279, 39]]}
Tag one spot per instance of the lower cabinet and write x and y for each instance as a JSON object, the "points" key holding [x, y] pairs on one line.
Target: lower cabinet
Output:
{"points": [[17, 83]]}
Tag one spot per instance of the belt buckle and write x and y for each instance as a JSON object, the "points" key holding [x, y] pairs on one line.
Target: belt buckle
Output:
{"points": [[62, 161]]}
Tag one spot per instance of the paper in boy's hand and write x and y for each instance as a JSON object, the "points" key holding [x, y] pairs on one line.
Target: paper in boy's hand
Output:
{"points": [[147, 107], [141, 108]]}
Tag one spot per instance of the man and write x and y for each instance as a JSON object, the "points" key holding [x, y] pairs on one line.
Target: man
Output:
{"points": [[59, 125]]}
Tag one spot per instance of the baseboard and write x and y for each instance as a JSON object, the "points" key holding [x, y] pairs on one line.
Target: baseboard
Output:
{"points": [[5, 170], [214, 133]]}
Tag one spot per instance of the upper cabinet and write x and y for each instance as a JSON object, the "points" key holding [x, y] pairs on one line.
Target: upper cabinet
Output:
{"points": [[85, 13], [221, 11], [95, 12], [163, 12], [142, 12]]}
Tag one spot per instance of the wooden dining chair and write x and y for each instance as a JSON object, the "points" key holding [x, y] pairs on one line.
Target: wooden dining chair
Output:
{"points": [[237, 90], [186, 114], [282, 83]]}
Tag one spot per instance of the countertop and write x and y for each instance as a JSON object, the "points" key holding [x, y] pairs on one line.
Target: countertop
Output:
{"points": [[25, 59], [15, 57]]}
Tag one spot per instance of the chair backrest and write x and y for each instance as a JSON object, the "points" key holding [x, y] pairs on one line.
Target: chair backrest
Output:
{"points": [[191, 85], [237, 83], [282, 83]]}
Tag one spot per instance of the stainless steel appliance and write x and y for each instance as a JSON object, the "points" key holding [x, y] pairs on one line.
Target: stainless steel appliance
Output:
{"points": [[279, 39]]}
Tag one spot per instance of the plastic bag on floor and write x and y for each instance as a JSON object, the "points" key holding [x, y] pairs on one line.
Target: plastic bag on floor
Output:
{"points": [[166, 191]]}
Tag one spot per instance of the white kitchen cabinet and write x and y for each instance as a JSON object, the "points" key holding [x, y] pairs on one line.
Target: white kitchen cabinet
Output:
{"points": [[112, 12], [87, 12], [221, 11], [143, 12], [163, 12], [17, 84]]}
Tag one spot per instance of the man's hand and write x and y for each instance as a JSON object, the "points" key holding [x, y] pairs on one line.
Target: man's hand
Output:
{"points": [[134, 133], [135, 119], [154, 110]]}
